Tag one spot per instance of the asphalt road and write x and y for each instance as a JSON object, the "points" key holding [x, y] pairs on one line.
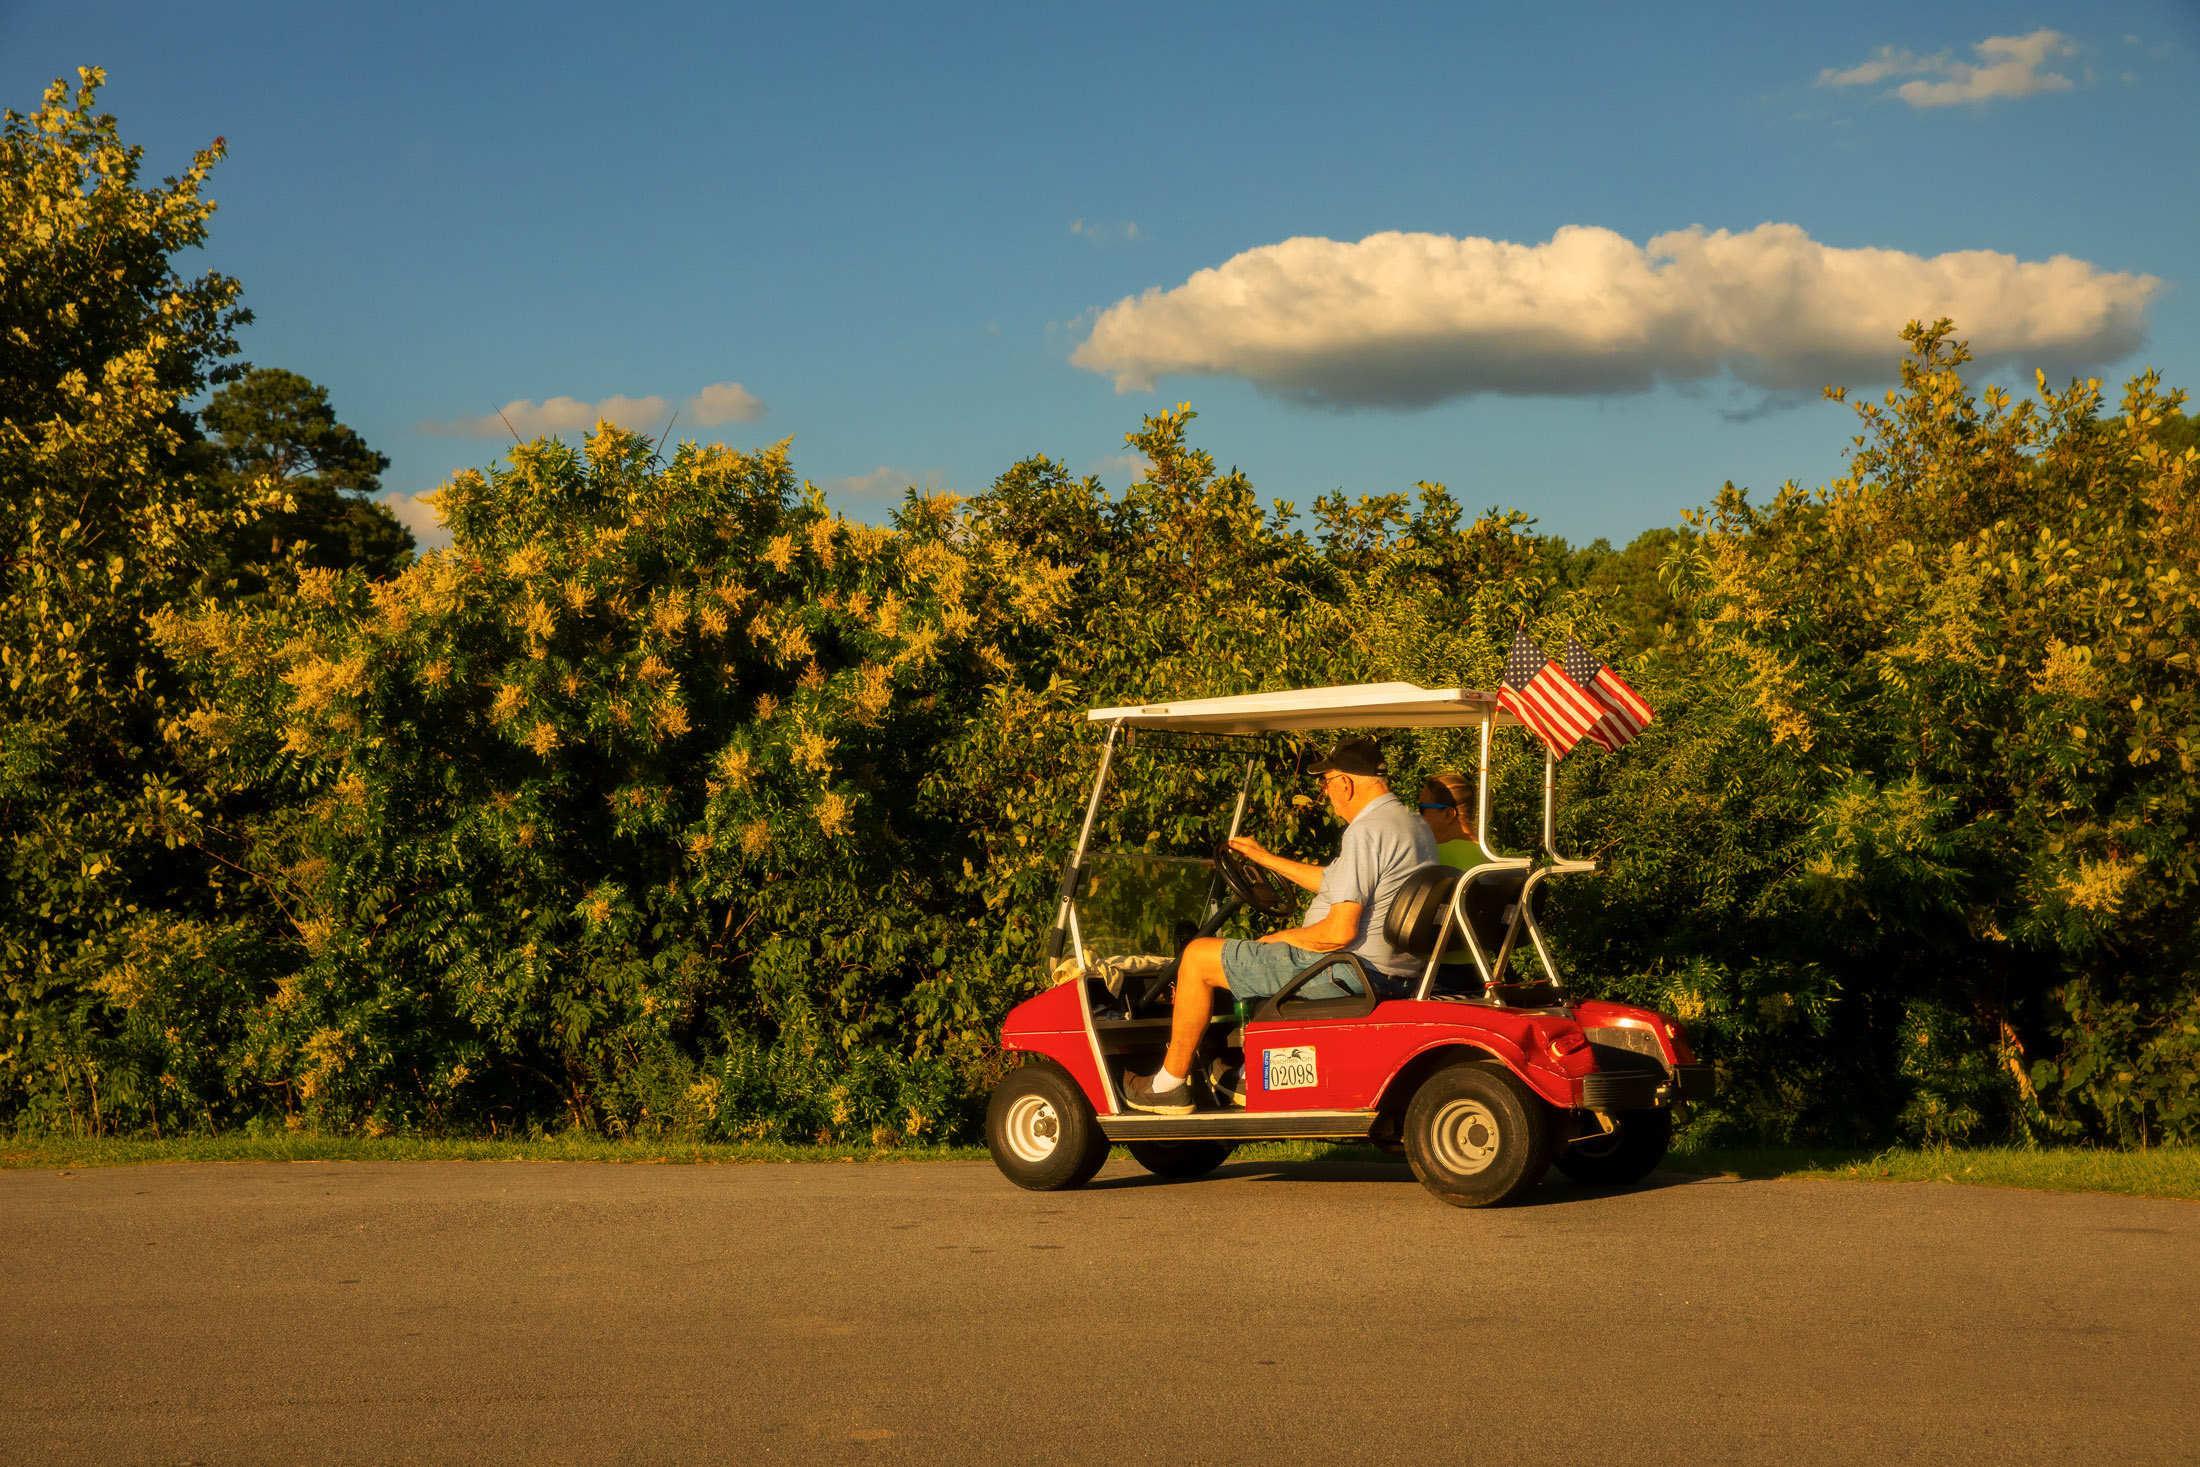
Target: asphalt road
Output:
{"points": [[487, 1312]]}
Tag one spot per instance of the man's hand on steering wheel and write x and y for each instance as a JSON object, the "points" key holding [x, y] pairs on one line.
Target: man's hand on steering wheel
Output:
{"points": [[1252, 850], [1246, 881]]}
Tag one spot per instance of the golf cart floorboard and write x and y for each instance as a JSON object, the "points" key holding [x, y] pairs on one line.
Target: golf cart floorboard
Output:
{"points": [[1238, 1125]]}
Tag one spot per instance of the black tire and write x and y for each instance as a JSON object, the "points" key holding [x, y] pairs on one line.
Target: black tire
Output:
{"points": [[1623, 1157], [1042, 1132], [1180, 1161], [1476, 1137]]}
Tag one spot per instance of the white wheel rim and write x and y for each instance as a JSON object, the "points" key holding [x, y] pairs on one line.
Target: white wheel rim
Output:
{"points": [[1465, 1137], [1033, 1129]]}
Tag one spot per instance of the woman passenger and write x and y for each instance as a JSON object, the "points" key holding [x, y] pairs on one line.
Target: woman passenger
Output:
{"points": [[1447, 804]]}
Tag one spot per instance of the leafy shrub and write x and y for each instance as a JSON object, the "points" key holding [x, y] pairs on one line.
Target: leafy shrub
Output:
{"points": [[1931, 746]]}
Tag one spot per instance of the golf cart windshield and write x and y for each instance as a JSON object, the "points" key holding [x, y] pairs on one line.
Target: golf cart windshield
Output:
{"points": [[1133, 904]]}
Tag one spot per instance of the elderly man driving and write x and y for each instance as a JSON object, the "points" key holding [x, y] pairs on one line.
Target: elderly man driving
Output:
{"points": [[1384, 842]]}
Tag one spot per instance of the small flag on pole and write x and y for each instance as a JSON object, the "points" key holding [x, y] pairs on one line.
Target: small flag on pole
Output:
{"points": [[1625, 714], [1537, 691]]}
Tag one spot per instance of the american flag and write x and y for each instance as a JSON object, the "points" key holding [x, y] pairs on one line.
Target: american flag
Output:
{"points": [[1625, 714], [1537, 691]]}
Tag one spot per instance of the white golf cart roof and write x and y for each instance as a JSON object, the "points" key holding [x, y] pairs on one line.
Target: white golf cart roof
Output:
{"points": [[1356, 705]]}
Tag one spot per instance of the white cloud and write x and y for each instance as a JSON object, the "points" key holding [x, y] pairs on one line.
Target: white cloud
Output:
{"points": [[417, 513], [2008, 66], [882, 482], [1124, 465], [1888, 61], [530, 419], [1101, 234], [1406, 320], [721, 402], [725, 402]]}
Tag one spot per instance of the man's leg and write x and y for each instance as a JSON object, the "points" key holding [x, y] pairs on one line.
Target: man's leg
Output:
{"points": [[1198, 975]]}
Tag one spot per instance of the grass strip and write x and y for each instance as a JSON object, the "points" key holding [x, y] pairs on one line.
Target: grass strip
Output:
{"points": [[2165, 1171], [61, 1152], [2160, 1171]]}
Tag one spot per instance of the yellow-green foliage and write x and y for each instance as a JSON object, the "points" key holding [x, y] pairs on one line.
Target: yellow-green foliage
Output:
{"points": [[103, 521], [1925, 770], [666, 800]]}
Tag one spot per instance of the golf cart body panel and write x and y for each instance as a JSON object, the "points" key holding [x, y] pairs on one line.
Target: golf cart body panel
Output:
{"points": [[1328, 1071]]}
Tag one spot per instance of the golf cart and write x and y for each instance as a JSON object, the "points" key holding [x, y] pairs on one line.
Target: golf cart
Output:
{"points": [[1481, 1086]]}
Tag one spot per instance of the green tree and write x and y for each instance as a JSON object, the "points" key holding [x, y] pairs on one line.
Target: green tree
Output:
{"points": [[1630, 585], [103, 520], [1915, 835], [273, 430]]}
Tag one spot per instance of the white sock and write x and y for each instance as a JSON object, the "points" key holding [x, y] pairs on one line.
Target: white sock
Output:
{"points": [[1163, 1080]]}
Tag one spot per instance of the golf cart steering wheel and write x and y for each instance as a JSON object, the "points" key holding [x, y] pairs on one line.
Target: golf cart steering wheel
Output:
{"points": [[1248, 883]]}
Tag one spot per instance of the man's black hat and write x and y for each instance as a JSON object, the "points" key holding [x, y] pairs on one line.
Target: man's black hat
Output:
{"points": [[1356, 757]]}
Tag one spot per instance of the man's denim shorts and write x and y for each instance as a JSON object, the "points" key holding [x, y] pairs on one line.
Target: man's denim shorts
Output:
{"points": [[1257, 969]]}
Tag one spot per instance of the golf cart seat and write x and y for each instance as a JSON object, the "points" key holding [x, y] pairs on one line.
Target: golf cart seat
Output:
{"points": [[1417, 912]]}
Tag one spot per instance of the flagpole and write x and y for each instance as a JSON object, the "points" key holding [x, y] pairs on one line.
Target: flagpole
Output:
{"points": [[1550, 801]]}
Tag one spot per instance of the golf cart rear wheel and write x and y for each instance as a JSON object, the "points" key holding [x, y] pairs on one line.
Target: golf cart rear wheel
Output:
{"points": [[1621, 1157], [1179, 1161], [1042, 1131], [1476, 1137]]}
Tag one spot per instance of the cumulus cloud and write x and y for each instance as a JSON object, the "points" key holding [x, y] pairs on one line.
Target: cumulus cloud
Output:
{"points": [[530, 419], [1122, 465], [725, 402], [1101, 234], [882, 482], [417, 513], [721, 402], [1887, 61], [1407, 320], [2008, 66]]}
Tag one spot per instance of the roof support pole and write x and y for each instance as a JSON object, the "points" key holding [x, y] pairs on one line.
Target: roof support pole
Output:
{"points": [[1560, 865], [1237, 822], [1073, 868], [1550, 799], [1482, 797], [1455, 918]]}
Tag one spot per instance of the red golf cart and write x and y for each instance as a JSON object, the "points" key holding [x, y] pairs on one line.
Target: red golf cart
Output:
{"points": [[1481, 1085]]}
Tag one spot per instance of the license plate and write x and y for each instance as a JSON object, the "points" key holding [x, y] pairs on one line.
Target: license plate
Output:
{"points": [[1287, 1069]]}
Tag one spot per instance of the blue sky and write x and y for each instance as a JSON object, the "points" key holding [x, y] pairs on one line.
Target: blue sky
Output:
{"points": [[894, 226]]}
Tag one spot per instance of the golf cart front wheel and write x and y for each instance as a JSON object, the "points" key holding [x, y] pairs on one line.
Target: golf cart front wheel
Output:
{"points": [[1180, 1161], [1476, 1137], [1042, 1131]]}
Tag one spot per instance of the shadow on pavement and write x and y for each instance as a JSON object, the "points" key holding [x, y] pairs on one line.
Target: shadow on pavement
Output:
{"points": [[1556, 1189], [1270, 1171]]}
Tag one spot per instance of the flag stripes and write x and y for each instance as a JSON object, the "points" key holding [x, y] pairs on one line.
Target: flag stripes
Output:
{"points": [[1622, 715], [1538, 692]]}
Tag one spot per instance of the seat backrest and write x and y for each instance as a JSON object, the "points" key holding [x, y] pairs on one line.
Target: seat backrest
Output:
{"points": [[1493, 892], [1417, 910]]}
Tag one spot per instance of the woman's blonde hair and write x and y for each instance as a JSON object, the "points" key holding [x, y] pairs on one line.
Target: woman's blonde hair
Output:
{"points": [[1450, 788]]}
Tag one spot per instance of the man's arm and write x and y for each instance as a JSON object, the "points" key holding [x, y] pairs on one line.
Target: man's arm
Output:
{"points": [[1298, 873], [1338, 926]]}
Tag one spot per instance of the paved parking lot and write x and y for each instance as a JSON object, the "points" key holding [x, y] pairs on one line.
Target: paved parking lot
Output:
{"points": [[513, 1312]]}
